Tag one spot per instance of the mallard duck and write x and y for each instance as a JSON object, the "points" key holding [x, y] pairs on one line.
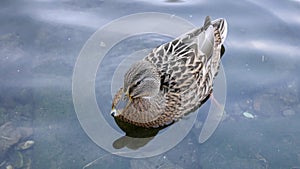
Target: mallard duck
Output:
{"points": [[173, 80]]}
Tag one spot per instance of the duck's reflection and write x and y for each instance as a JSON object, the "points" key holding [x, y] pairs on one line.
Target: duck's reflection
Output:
{"points": [[135, 137]]}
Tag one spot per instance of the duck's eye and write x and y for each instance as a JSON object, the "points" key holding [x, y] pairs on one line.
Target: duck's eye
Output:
{"points": [[138, 83]]}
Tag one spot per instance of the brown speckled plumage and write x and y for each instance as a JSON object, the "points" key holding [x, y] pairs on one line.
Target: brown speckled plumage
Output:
{"points": [[174, 79]]}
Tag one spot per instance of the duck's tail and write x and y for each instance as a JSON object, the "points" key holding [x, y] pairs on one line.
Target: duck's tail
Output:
{"points": [[220, 33], [220, 30], [212, 36], [211, 40]]}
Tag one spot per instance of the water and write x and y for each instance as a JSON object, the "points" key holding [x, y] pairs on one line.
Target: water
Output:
{"points": [[40, 42]]}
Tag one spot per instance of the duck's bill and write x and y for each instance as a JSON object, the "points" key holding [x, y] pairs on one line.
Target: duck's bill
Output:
{"points": [[119, 103], [114, 112]]}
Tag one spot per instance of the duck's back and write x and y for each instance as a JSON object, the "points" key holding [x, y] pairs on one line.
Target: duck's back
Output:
{"points": [[187, 67]]}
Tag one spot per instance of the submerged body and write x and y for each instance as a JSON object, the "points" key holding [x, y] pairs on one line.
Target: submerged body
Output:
{"points": [[173, 80]]}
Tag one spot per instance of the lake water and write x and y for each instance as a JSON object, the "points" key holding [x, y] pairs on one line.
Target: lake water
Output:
{"points": [[41, 40]]}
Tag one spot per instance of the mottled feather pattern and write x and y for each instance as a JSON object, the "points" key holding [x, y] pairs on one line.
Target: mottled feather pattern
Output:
{"points": [[186, 67]]}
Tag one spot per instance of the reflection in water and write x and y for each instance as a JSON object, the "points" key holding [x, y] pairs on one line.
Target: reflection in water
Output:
{"points": [[135, 137], [173, 1], [268, 46], [131, 142], [281, 10]]}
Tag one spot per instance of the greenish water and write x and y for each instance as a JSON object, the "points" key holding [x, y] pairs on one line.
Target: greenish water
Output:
{"points": [[39, 45]]}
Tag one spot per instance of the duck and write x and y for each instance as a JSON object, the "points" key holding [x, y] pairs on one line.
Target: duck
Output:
{"points": [[173, 80]]}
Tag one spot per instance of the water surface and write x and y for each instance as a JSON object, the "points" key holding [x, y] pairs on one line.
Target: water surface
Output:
{"points": [[41, 39]]}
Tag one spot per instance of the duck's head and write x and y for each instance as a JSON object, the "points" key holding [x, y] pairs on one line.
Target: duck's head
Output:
{"points": [[140, 81]]}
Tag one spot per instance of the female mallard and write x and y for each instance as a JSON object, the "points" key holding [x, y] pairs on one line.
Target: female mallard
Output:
{"points": [[173, 80]]}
